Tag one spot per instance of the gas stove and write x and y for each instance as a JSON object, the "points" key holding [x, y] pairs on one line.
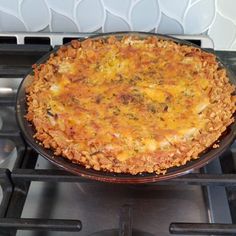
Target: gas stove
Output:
{"points": [[40, 199]]}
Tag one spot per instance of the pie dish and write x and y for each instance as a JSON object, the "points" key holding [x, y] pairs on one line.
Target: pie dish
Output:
{"points": [[130, 105]]}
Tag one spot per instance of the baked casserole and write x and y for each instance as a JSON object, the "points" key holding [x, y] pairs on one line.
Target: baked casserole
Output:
{"points": [[130, 105]]}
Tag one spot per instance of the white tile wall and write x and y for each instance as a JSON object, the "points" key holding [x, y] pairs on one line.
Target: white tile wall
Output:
{"points": [[217, 18]]}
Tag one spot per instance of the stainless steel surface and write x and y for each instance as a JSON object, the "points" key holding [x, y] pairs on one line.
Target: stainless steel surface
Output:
{"points": [[217, 200], [7, 115], [9, 85], [7, 122], [8, 152]]}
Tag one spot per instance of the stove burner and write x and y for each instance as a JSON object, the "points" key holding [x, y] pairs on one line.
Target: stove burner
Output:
{"points": [[115, 232]]}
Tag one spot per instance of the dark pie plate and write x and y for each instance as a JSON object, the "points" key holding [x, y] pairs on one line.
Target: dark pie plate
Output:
{"points": [[28, 131]]}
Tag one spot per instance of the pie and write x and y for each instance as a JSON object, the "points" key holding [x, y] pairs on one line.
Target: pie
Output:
{"points": [[130, 105]]}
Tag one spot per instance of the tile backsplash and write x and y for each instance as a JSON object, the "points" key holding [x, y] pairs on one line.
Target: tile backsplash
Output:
{"points": [[216, 18]]}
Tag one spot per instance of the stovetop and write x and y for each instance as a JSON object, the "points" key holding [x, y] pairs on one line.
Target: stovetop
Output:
{"points": [[37, 198]]}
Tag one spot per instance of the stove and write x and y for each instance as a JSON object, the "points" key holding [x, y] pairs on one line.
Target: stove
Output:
{"points": [[38, 198]]}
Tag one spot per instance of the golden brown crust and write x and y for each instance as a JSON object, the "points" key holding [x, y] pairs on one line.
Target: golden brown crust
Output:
{"points": [[131, 105]]}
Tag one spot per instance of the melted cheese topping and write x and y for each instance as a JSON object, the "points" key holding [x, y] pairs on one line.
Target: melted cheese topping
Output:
{"points": [[135, 93]]}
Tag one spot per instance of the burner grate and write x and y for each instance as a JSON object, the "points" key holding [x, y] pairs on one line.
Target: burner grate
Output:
{"points": [[57, 175], [202, 229]]}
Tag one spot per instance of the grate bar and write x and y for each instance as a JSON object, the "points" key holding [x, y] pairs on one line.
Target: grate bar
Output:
{"points": [[41, 224], [7, 101], [202, 229], [12, 49], [206, 179], [9, 133], [7, 188], [10, 71], [64, 176], [125, 223], [45, 175]]}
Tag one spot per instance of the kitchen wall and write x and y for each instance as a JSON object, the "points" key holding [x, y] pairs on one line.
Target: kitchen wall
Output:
{"points": [[216, 18]]}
